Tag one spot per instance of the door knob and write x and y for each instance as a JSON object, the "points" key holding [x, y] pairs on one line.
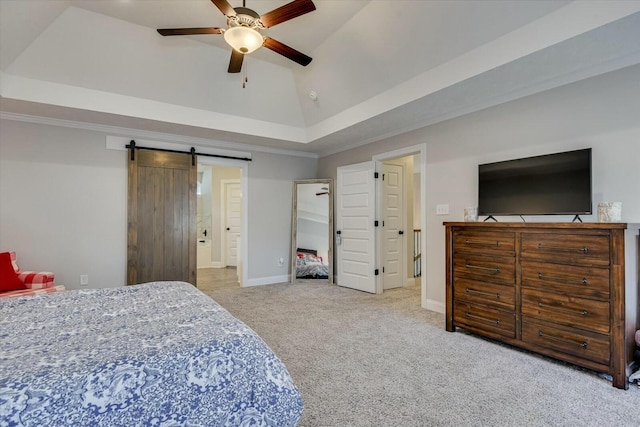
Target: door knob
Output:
{"points": [[338, 232], [400, 232], [228, 229]]}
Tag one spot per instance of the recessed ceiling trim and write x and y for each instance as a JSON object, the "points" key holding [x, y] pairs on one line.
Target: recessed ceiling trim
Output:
{"points": [[561, 25], [153, 136], [26, 89]]}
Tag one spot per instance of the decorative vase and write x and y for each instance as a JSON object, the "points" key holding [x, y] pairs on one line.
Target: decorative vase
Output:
{"points": [[609, 211], [470, 214]]}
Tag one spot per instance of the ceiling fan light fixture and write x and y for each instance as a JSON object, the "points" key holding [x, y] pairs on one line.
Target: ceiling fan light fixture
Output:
{"points": [[243, 39]]}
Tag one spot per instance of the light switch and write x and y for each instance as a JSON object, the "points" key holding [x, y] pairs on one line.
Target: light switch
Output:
{"points": [[442, 209]]}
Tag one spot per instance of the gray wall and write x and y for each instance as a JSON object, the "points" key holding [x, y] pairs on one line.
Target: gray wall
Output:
{"points": [[270, 200], [601, 112], [63, 205], [218, 205]]}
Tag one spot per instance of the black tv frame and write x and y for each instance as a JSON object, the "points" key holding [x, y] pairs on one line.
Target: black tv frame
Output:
{"points": [[505, 184]]}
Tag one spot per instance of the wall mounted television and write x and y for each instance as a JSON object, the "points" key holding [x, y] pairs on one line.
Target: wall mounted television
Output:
{"points": [[552, 184]]}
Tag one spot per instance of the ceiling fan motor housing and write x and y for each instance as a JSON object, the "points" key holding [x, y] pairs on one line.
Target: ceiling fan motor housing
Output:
{"points": [[243, 30], [243, 33]]}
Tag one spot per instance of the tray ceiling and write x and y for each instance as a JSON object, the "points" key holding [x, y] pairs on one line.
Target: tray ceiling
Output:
{"points": [[380, 68]]}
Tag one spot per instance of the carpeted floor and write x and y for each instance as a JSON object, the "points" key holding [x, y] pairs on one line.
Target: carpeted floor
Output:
{"points": [[381, 360]]}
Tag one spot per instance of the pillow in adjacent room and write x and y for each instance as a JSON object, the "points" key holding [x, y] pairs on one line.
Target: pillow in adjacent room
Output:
{"points": [[8, 278]]}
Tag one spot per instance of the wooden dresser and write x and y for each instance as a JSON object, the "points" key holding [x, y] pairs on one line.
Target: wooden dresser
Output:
{"points": [[554, 288]]}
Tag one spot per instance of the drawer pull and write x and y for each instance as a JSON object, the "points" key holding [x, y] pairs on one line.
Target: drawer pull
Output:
{"points": [[494, 270], [584, 281], [583, 249], [568, 310], [484, 319], [583, 344], [481, 242], [489, 294]]}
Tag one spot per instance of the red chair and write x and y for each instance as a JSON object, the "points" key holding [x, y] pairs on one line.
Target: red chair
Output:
{"points": [[636, 375], [34, 282]]}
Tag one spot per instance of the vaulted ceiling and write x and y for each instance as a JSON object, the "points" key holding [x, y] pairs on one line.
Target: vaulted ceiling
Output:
{"points": [[380, 68]]}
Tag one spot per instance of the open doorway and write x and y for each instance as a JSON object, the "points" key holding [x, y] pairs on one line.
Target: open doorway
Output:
{"points": [[221, 221], [374, 255]]}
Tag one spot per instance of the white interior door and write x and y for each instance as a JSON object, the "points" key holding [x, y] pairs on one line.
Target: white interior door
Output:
{"points": [[233, 217], [393, 217], [355, 232]]}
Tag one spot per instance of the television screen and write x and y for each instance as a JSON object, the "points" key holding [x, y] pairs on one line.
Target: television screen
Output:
{"points": [[543, 185]]}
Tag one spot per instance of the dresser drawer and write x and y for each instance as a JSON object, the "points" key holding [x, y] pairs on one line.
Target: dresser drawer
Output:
{"points": [[582, 344], [495, 242], [477, 317], [499, 296], [574, 311], [578, 249], [582, 281], [489, 269]]}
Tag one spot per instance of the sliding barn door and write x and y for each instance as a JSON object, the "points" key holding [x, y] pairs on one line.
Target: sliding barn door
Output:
{"points": [[161, 218]]}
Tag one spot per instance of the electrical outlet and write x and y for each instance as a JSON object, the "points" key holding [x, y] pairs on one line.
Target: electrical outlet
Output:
{"points": [[280, 262], [84, 280], [442, 209]]}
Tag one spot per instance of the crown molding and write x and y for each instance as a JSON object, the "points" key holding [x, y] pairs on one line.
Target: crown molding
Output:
{"points": [[151, 135]]}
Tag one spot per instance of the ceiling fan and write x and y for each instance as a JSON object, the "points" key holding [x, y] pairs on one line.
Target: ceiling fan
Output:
{"points": [[323, 191], [243, 30]]}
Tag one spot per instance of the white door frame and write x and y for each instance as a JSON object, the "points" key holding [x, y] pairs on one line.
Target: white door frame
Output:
{"points": [[223, 218], [361, 227], [244, 188], [390, 155]]}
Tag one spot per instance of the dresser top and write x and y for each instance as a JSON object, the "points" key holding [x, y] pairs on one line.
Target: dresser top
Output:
{"points": [[567, 225]]}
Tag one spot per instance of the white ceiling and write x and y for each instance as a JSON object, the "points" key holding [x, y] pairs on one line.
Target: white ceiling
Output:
{"points": [[380, 68], [311, 204]]}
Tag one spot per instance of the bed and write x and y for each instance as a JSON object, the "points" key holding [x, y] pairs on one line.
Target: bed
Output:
{"points": [[157, 354], [311, 266]]}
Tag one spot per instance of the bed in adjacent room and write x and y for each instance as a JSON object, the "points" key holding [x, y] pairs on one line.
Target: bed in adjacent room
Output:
{"points": [[311, 266], [157, 354]]}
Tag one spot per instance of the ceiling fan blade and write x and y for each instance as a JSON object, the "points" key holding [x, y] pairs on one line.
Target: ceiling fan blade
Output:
{"points": [[189, 31], [286, 51], [235, 63], [287, 12], [224, 7]]}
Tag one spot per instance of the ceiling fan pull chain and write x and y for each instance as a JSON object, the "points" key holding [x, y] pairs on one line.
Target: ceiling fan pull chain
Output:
{"points": [[243, 32], [245, 79]]}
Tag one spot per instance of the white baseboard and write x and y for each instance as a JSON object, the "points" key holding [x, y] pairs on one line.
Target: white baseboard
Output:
{"points": [[266, 280], [436, 306], [411, 281]]}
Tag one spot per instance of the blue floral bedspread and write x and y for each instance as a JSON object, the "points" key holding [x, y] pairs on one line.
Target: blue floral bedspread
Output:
{"points": [[158, 354]]}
